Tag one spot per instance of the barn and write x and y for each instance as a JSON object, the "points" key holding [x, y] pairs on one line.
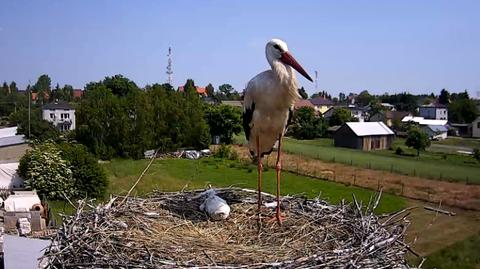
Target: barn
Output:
{"points": [[364, 136]]}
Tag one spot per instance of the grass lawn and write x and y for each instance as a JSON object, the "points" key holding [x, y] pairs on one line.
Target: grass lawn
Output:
{"points": [[451, 167], [460, 141], [461, 255], [175, 174]]}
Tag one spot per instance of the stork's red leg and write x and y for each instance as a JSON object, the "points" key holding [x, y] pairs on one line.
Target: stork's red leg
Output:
{"points": [[278, 169], [260, 170]]}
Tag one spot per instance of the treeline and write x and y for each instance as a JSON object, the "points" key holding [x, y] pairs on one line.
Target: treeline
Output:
{"points": [[117, 118]]}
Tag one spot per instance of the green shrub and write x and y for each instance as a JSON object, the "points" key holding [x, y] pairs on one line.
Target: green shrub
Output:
{"points": [[67, 169], [90, 179], [46, 171], [225, 152], [399, 151], [476, 154]]}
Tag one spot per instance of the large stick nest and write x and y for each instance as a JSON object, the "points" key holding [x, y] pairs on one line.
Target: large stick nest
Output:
{"points": [[167, 230]]}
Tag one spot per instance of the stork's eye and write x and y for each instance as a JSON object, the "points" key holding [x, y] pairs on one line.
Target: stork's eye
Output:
{"points": [[277, 47]]}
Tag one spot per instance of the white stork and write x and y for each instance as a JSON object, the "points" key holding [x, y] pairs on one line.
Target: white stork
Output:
{"points": [[268, 106]]}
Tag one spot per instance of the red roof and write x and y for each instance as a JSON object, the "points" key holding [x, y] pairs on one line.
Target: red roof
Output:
{"points": [[35, 96], [320, 101], [303, 103], [77, 93], [200, 90]]}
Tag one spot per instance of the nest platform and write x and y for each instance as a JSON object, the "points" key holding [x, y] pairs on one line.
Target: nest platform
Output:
{"points": [[167, 230]]}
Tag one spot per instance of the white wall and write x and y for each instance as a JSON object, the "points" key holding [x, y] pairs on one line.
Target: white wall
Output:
{"points": [[476, 127], [441, 114], [57, 116]]}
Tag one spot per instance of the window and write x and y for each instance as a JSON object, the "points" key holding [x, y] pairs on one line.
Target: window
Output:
{"points": [[478, 124], [52, 115], [65, 116]]}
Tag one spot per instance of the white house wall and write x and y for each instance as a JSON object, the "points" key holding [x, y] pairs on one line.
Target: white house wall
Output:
{"points": [[57, 119]]}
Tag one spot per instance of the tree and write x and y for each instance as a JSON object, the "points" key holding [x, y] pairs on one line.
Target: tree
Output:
{"points": [[223, 121], [364, 98], [340, 116], [226, 90], [476, 154], [303, 93], [210, 90], [121, 125], [462, 110], [417, 139], [13, 87], [89, 177], [307, 125], [444, 97], [5, 88], [118, 85], [40, 129], [341, 97], [43, 88], [45, 171]]}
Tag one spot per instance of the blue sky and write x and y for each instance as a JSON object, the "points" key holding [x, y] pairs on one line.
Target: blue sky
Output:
{"points": [[381, 46]]}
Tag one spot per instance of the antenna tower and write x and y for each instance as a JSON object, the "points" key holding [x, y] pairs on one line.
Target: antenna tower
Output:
{"points": [[169, 67]]}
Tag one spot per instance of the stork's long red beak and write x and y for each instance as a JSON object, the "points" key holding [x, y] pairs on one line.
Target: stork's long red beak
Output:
{"points": [[287, 58]]}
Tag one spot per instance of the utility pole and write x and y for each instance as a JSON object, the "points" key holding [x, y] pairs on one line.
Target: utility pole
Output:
{"points": [[29, 107], [169, 67]]}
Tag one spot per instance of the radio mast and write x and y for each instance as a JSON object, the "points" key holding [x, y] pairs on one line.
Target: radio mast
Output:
{"points": [[169, 67]]}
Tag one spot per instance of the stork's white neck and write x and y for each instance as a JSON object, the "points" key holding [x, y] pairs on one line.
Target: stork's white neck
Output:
{"points": [[287, 78]]}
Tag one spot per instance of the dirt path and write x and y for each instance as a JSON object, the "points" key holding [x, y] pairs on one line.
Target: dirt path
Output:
{"points": [[452, 194]]}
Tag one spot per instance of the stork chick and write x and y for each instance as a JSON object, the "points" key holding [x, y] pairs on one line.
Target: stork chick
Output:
{"points": [[268, 106]]}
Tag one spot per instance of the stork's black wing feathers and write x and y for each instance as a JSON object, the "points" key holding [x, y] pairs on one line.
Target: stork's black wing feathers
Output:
{"points": [[247, 118]]}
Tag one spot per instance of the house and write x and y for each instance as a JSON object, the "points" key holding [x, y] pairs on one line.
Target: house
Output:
{"points": [[476, 127], [200, 90], [77, 94], [12, 146], [433, 111], [462, 129], [364, 136], [61, 114], [361, 114], [303, 103], [321, 104], [389, 117], [423, 121], [388, 106], [435, 132]]}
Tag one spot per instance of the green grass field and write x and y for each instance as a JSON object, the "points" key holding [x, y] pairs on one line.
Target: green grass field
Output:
{"points": [[443, 166], [460, 141], [461, 255], [175, 174]]}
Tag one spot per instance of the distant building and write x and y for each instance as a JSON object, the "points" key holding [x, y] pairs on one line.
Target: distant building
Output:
{"points": [[321, 104], [77, 94], [423, 121], [476, 127], [303, 103], [433, 112], [12, 146], [364, 136], [61, 114], [389, 117], [435, 132], [359, 113], [200, 90]]}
